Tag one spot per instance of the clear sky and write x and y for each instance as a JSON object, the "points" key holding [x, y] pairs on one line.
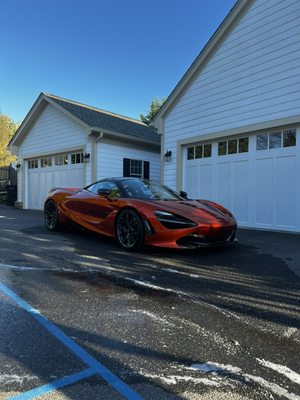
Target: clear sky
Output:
{"points": [[113, 54]]}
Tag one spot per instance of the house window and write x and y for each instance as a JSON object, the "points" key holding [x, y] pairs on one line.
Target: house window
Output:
{"points": [[136, 168], [76, 158], [233, 146], [276, 140], [61, 160], [46, 162], [33, 164], [199, 151]]}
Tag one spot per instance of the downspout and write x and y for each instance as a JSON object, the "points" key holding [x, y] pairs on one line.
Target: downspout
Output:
{"points": [[94, 137]]}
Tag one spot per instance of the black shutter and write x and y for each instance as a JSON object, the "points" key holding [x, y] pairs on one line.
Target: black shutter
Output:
{"points": [[126, 167], [146, 170]]}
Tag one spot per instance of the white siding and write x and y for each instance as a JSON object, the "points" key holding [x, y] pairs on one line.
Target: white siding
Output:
{"points": [[52, 133], [110, 159], [253, 77]]}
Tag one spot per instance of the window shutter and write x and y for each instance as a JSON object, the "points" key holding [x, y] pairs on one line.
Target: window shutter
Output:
{"points": [[146, 170], [126, 167]]}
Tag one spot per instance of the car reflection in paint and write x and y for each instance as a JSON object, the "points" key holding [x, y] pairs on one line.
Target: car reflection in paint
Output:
{"points": [[140, 212]]}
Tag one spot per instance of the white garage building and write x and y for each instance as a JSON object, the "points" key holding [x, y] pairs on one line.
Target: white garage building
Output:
{"points": [[231, 127], [62, 143]]}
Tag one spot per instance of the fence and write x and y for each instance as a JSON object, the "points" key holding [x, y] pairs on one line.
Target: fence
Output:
{"points": [[8, 185]]}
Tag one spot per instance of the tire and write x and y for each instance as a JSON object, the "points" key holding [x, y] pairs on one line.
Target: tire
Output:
{"points": [[51, 216], [129, 230]]}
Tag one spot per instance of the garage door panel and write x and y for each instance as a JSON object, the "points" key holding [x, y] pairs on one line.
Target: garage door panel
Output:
{"points": [[33, 184], [46, 183], [192, 180], [285, 195], [205, 181], [224, 184], [264, 187], [240, 190]]}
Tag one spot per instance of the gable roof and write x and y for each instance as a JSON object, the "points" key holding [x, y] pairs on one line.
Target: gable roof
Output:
{"points": [[212, 45], [97, 118], [91, 118]]}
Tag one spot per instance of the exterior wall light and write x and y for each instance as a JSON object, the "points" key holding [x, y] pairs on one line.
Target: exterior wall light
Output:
{"points": [[168, 156], [86, 156]]}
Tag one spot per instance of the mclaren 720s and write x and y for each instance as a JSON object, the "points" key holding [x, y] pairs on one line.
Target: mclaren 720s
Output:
{"points": [[139, 212]]}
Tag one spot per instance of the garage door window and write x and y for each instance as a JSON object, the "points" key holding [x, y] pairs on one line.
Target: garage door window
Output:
{"points": [[61, 160], [233, 146], [77, 158], [244, 145], [191, 153], [200, 151], [33, 164], [289, 138], [275, 140], [46, 162]]}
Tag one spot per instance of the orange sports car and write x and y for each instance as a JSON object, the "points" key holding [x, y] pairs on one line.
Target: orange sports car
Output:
{"points": [[137, 212]]}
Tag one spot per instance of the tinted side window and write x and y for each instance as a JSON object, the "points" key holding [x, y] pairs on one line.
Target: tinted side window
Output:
{"points": [[107, 185]]}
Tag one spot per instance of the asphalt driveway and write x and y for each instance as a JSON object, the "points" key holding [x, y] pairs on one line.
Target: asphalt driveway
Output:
{"points": [[156, 312]]}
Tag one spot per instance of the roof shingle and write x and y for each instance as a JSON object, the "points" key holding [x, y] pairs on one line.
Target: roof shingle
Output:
{"points": [[108, 121]]}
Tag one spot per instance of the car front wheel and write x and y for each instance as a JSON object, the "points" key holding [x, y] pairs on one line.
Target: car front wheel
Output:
{"points": [[129, 230]]}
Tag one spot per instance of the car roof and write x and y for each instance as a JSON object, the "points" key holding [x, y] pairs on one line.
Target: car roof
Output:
{"points": [[123, 178]]}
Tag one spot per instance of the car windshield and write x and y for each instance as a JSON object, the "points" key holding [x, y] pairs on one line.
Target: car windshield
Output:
{"points": [[149, 190]]}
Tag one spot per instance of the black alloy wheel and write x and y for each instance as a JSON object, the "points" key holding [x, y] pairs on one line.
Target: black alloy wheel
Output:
{"points": [[129, 230], [51, 216]]}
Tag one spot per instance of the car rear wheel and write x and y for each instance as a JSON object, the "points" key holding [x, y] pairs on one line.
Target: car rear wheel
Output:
{"points": [[129, 230], [51, 216]]}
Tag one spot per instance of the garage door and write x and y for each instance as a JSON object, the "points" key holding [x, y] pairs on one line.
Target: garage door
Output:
{"points": [[61, 170], [255, 176]]}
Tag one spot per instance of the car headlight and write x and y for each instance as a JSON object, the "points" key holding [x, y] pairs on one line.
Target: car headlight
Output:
{"points": [[173, 221]]}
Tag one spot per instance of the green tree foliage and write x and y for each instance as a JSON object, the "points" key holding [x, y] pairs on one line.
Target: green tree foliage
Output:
{"points": [[7, 129], [154, 108]]}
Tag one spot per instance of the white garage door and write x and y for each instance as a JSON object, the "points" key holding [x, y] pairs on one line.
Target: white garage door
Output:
{"points": [[62, 170], [256, 177]]}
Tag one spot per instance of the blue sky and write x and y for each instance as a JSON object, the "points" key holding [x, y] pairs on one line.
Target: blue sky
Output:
{"points": [[113, 54]]}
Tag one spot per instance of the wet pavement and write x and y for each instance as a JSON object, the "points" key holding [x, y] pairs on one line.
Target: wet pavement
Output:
{"points": [[212, 324]]}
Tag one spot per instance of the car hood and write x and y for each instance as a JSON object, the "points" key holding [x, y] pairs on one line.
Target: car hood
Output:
{"points": [[199, 210]]}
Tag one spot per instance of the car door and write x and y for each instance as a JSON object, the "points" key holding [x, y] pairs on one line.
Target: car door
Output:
{"points": [[94, 204]]}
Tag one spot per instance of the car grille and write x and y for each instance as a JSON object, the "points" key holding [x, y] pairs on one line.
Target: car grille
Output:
{"points": [[214, 237]]}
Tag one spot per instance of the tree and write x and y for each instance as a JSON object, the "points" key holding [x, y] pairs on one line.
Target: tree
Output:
{"points": [[7, 129], [154, 108]]}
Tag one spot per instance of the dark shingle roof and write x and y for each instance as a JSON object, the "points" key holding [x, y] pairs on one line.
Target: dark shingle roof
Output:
{"points": [[108, 121]]}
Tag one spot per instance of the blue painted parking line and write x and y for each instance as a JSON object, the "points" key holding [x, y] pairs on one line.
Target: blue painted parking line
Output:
{"points": [[49, 387], [120, 386]]}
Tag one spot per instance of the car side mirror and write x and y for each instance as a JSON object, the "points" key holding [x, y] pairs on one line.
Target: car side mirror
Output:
{"points": [[103, 192], [183, 194]]}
